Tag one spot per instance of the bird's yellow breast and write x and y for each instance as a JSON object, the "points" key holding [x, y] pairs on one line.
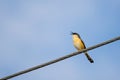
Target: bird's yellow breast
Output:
{"points": [[79, 45]]}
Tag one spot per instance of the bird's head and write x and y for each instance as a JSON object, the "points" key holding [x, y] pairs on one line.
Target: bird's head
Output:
{"points": [[74, 34]]}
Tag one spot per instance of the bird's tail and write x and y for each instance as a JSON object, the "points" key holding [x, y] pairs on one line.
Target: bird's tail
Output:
{"points": [[89, 58]]}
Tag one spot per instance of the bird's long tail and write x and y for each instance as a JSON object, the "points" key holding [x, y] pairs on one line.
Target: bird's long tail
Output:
{"points": [[89, 58]]}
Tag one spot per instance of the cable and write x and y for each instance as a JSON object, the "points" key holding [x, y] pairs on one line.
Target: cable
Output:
{"points": [[59, 59]]}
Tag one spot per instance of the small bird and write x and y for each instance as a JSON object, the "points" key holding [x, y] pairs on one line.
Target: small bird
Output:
{"points": [[79, 45]]}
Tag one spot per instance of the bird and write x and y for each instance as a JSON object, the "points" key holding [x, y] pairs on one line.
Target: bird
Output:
{"points": [[80, 45]]}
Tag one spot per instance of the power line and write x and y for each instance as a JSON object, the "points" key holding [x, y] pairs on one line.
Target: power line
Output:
{"points": [[59, 59]]}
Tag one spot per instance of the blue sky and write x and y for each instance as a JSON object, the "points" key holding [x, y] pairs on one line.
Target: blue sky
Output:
{"points": [[36, 31]]}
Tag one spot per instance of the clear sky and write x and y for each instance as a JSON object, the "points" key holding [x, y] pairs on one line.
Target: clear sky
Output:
{"points": [[36, 31]]}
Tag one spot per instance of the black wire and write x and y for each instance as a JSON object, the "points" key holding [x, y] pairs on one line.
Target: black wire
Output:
{"points": [[59, 59]]}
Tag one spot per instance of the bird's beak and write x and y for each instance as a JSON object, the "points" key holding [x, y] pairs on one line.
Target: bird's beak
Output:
{"points": [[71, 33]]}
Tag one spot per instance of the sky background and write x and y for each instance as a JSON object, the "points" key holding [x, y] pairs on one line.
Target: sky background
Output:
{"points": [[37, 31]]}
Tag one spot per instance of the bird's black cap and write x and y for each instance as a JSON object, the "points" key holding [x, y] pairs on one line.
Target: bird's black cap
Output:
{"points": [[74, 33]]}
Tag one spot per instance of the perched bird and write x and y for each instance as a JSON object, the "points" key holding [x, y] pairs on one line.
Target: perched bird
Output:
{"points": [[79, 45]]}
